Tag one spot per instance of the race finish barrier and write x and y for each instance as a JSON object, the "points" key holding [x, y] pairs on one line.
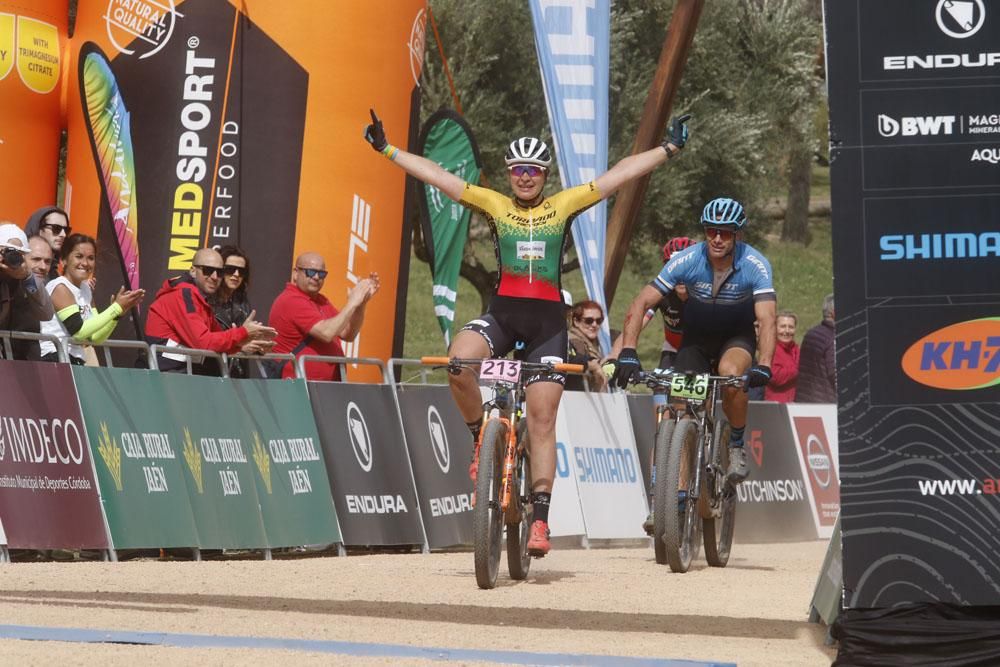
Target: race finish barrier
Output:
{"points": [[367, 459], [440, 447], [48, 491]]}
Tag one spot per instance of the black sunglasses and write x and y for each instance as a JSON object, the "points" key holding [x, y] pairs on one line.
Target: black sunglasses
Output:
{"points": [[233, 270], [55, 229], [591, 320], [209, 270], [313, 273]]}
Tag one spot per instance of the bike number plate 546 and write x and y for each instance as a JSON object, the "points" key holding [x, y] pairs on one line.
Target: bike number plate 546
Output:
{"points": [[503, 370], [694, 387]]}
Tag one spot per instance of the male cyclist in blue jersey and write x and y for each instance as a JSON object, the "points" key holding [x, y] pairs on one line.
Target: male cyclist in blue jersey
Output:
{"points": [[729, 285]]}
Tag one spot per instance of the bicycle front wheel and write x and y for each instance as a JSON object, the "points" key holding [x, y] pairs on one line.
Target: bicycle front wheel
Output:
{"points": [[720, 528], [520, 512], [661, 462], [487, 518], [681, 524]]}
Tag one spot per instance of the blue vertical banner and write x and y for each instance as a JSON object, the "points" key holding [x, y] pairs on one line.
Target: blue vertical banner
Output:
{"points": [[573, 42]]}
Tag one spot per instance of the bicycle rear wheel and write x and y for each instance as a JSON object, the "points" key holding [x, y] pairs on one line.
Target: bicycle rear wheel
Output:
{"points": [[680, 535], [487, 519], [661, 461], [720, 528], [520, 512]]}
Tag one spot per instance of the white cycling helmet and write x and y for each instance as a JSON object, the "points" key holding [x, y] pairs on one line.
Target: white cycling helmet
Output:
{"points": [[528, 150]]}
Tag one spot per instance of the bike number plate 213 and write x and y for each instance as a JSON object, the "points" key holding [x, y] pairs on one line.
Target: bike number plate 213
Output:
{"points": [[691, 387], [503, 370]]}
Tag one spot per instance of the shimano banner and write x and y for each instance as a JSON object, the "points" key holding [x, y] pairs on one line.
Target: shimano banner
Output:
{"points": [[440, 447], [572, 40], [914, 132], [366, 461]]}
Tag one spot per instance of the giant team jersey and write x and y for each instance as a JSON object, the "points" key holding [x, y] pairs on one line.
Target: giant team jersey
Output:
{"points": [[728, 311], [529, 242]]}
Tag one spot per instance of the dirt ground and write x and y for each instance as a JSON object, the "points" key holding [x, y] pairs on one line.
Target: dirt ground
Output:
{"points": [[605, 601]]}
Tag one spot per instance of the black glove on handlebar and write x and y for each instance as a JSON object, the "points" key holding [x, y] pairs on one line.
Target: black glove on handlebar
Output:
{"points": [[374, 134], [628, 368], [758, 376]]}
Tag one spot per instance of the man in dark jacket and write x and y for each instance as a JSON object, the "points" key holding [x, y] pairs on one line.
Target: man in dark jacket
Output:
{"points": [[817, 367], [181, 317]]}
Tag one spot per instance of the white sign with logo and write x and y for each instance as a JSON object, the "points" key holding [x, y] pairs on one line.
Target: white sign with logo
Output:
{"points": [[361, 441], [818, 457]]}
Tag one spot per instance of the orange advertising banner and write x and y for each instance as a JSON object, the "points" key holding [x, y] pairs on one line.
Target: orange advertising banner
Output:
{"points": [[210, 122], [32, 42]]}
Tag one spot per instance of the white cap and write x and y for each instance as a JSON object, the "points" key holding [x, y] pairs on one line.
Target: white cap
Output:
{"points": [[9, 232], [567, 298]]}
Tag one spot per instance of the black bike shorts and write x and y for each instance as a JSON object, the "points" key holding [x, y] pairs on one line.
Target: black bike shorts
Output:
{"points": [[702, 356], [539, 325]]}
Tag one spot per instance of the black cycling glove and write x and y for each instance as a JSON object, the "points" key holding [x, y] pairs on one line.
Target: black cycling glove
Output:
{"points": [[628, 368], [374, 134], [758, 376], [677, 133]]}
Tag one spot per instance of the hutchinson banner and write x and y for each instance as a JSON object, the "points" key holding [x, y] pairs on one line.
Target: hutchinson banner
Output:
{"points": [[48, 496], [32, 46], [914, 89], [208, 123]]}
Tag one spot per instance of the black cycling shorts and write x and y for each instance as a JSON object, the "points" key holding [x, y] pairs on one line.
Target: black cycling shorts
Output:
{"points": [[539, 325], [702, 355]]}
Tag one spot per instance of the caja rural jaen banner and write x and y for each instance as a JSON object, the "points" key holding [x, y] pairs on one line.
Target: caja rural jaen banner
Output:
{"points": [[208, 122]]}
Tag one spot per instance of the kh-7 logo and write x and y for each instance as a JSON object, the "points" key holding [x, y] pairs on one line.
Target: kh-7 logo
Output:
{"points": [[961, 356]]}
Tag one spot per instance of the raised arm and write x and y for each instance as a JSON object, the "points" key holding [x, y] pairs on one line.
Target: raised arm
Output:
{"points": [[640, 164], [416, 166]]}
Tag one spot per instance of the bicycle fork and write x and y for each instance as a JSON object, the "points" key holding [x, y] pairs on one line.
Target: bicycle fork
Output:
{"points": [[510, 456]]}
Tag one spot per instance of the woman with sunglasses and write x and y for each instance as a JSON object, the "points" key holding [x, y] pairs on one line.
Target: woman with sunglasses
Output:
{"points": [[77, 322], [584, 346], [52, 224], [230, 302], [529, 236], [729, 286]]}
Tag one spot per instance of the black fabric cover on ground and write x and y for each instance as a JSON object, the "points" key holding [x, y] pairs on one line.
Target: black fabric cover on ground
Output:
{"points": [[919, 634]]}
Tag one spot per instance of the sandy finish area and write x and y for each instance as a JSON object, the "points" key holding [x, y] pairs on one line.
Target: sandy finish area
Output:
{"points": [[602, 601]]}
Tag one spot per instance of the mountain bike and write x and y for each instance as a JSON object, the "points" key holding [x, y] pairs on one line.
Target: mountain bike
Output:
{"points": [[691, 497], [502, 492]]}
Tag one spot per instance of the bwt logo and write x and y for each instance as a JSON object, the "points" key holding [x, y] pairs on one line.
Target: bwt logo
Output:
{"points": [[961, 356], [913, 126]]}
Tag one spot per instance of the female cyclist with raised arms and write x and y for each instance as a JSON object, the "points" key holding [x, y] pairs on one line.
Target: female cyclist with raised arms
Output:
{"points": [[529, 236]]}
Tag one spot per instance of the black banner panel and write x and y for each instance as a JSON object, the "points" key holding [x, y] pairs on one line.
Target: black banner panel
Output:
{"points": [[914, 90], [366, 461], [642, 411], [440, 448]]}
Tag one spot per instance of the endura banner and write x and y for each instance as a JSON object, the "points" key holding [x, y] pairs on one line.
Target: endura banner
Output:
{"points": [[914, 129], [207, 122], [48, 496]]}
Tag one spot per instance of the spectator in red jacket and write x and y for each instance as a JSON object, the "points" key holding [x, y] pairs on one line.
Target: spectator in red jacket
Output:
{"points": [[785, 365], [181, 317]]}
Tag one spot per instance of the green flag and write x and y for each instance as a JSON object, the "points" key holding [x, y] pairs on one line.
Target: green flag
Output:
{"points": [[447, 140]]}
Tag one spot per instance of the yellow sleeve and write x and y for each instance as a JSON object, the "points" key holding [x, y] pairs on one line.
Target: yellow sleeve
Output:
{"points": [[489, 202], [579, 198]]}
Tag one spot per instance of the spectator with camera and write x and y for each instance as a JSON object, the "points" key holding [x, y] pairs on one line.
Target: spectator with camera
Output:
{"points": [[24, 303]]}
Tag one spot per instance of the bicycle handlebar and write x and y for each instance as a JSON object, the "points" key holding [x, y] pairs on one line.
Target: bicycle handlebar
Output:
{"points": [[576, 369], [651, 378]]}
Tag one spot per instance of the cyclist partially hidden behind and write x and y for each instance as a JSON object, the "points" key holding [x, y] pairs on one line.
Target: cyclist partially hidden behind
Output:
{"points": [[529, 236], [729, 285]]}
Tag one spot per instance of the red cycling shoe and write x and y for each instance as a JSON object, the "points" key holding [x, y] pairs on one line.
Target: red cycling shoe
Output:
{"points": [[538, 542]]}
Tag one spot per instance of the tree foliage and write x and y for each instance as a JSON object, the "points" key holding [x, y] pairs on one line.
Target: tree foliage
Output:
{"points": [[749, 82]]}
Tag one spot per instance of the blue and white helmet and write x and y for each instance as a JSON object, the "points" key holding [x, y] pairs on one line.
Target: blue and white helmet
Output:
{"points": [[724, 212], [528, 150]]}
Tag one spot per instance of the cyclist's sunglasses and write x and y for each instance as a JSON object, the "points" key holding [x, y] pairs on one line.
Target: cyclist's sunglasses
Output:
{"points": [[210, 270], [520, 170], [591, 320], [55, 229], [726, 234], [233, 270], [313, 273]]}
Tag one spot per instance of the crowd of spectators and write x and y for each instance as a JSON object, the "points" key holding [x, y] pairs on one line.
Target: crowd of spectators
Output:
{"points": [[47, 286]]}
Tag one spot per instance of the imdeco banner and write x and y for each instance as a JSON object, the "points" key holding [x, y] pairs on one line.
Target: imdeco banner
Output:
{"points": [[914, 88], [208, 122]]}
